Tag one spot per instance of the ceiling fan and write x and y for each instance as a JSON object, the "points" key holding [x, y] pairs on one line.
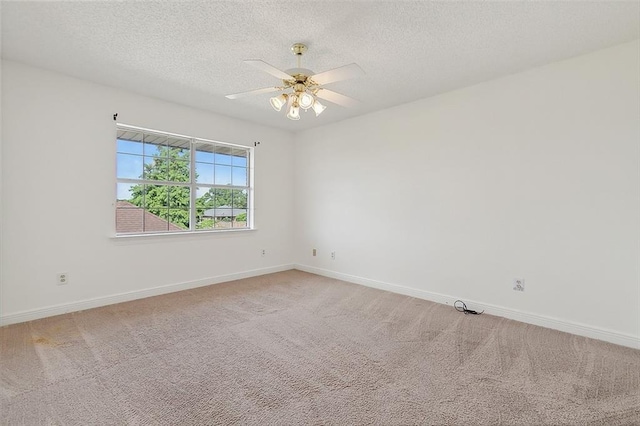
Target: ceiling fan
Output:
{"points": [[301, 87]]}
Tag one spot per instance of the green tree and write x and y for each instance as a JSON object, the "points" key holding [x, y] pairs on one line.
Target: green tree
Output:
{"points": [[168, 202], [205, 223]]}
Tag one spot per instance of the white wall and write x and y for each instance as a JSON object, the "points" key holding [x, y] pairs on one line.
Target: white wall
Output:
{"points": [[535, 175], [58, 190], [1, 198]]}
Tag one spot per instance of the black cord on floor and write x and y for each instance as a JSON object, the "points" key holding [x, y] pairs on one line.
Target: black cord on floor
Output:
{"points": [[464, 309]]}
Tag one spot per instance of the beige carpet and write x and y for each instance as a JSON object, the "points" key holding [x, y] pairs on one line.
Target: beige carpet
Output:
{"points": [[294, 348]]}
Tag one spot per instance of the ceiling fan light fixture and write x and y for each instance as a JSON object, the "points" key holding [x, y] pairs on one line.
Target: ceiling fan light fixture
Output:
{"points": [[318, 107], [277, 102], [300, 86], [294, 112], [306, 100]]}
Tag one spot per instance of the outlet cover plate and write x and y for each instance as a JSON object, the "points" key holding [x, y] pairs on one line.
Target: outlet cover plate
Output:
{"points": [[518, 284], [63, 278]]}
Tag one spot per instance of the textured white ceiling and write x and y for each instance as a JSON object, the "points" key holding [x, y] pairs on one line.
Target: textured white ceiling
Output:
{"points": [[191, 52]]}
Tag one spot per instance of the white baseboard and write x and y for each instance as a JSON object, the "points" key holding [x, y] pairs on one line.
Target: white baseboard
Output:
{"points": [[132, 295], [527, 317]]}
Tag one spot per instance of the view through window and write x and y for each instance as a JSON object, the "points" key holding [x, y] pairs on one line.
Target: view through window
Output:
{"points": [[169, 183]]}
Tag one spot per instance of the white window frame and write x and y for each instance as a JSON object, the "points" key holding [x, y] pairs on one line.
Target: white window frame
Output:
{"points": [[192, 184]]}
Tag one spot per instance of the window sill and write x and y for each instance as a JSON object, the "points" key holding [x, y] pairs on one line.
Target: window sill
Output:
{"points": [[181, 234]]}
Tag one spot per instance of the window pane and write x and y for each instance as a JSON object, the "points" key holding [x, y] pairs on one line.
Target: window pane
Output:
{"points": [[179, 197], [129, 218], [223, 155], [223, 198], [239, 157], [239, 176], [178, 171], [130, 146], [204, 200], [156, 219], [239, 198], [206, 223], [239, 218], [204, 173], [204, 153], [240, 221], [155, 145], [179, 219], [223, 175], [125, 191], [155, 168], [223, 223], [129, 166], [178, 148], [204, 197], [156, 198], [239, 212], [204, 212]]}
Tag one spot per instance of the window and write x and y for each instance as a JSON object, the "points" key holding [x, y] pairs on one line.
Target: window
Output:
{"points": [[171, 183]]}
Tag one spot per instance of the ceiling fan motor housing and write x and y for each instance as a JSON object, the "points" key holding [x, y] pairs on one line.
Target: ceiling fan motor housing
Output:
{"points": [[300, 74]]}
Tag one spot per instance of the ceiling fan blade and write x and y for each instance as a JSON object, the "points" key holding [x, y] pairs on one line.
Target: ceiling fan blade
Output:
{"points": [[262, 65], [336, 98], [253, 92], [337, 74]]}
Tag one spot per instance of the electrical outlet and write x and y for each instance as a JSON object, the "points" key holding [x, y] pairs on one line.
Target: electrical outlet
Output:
{"points": [[63, 278], [315, 252], [333, 255], [264, 252], [518, 284]]}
